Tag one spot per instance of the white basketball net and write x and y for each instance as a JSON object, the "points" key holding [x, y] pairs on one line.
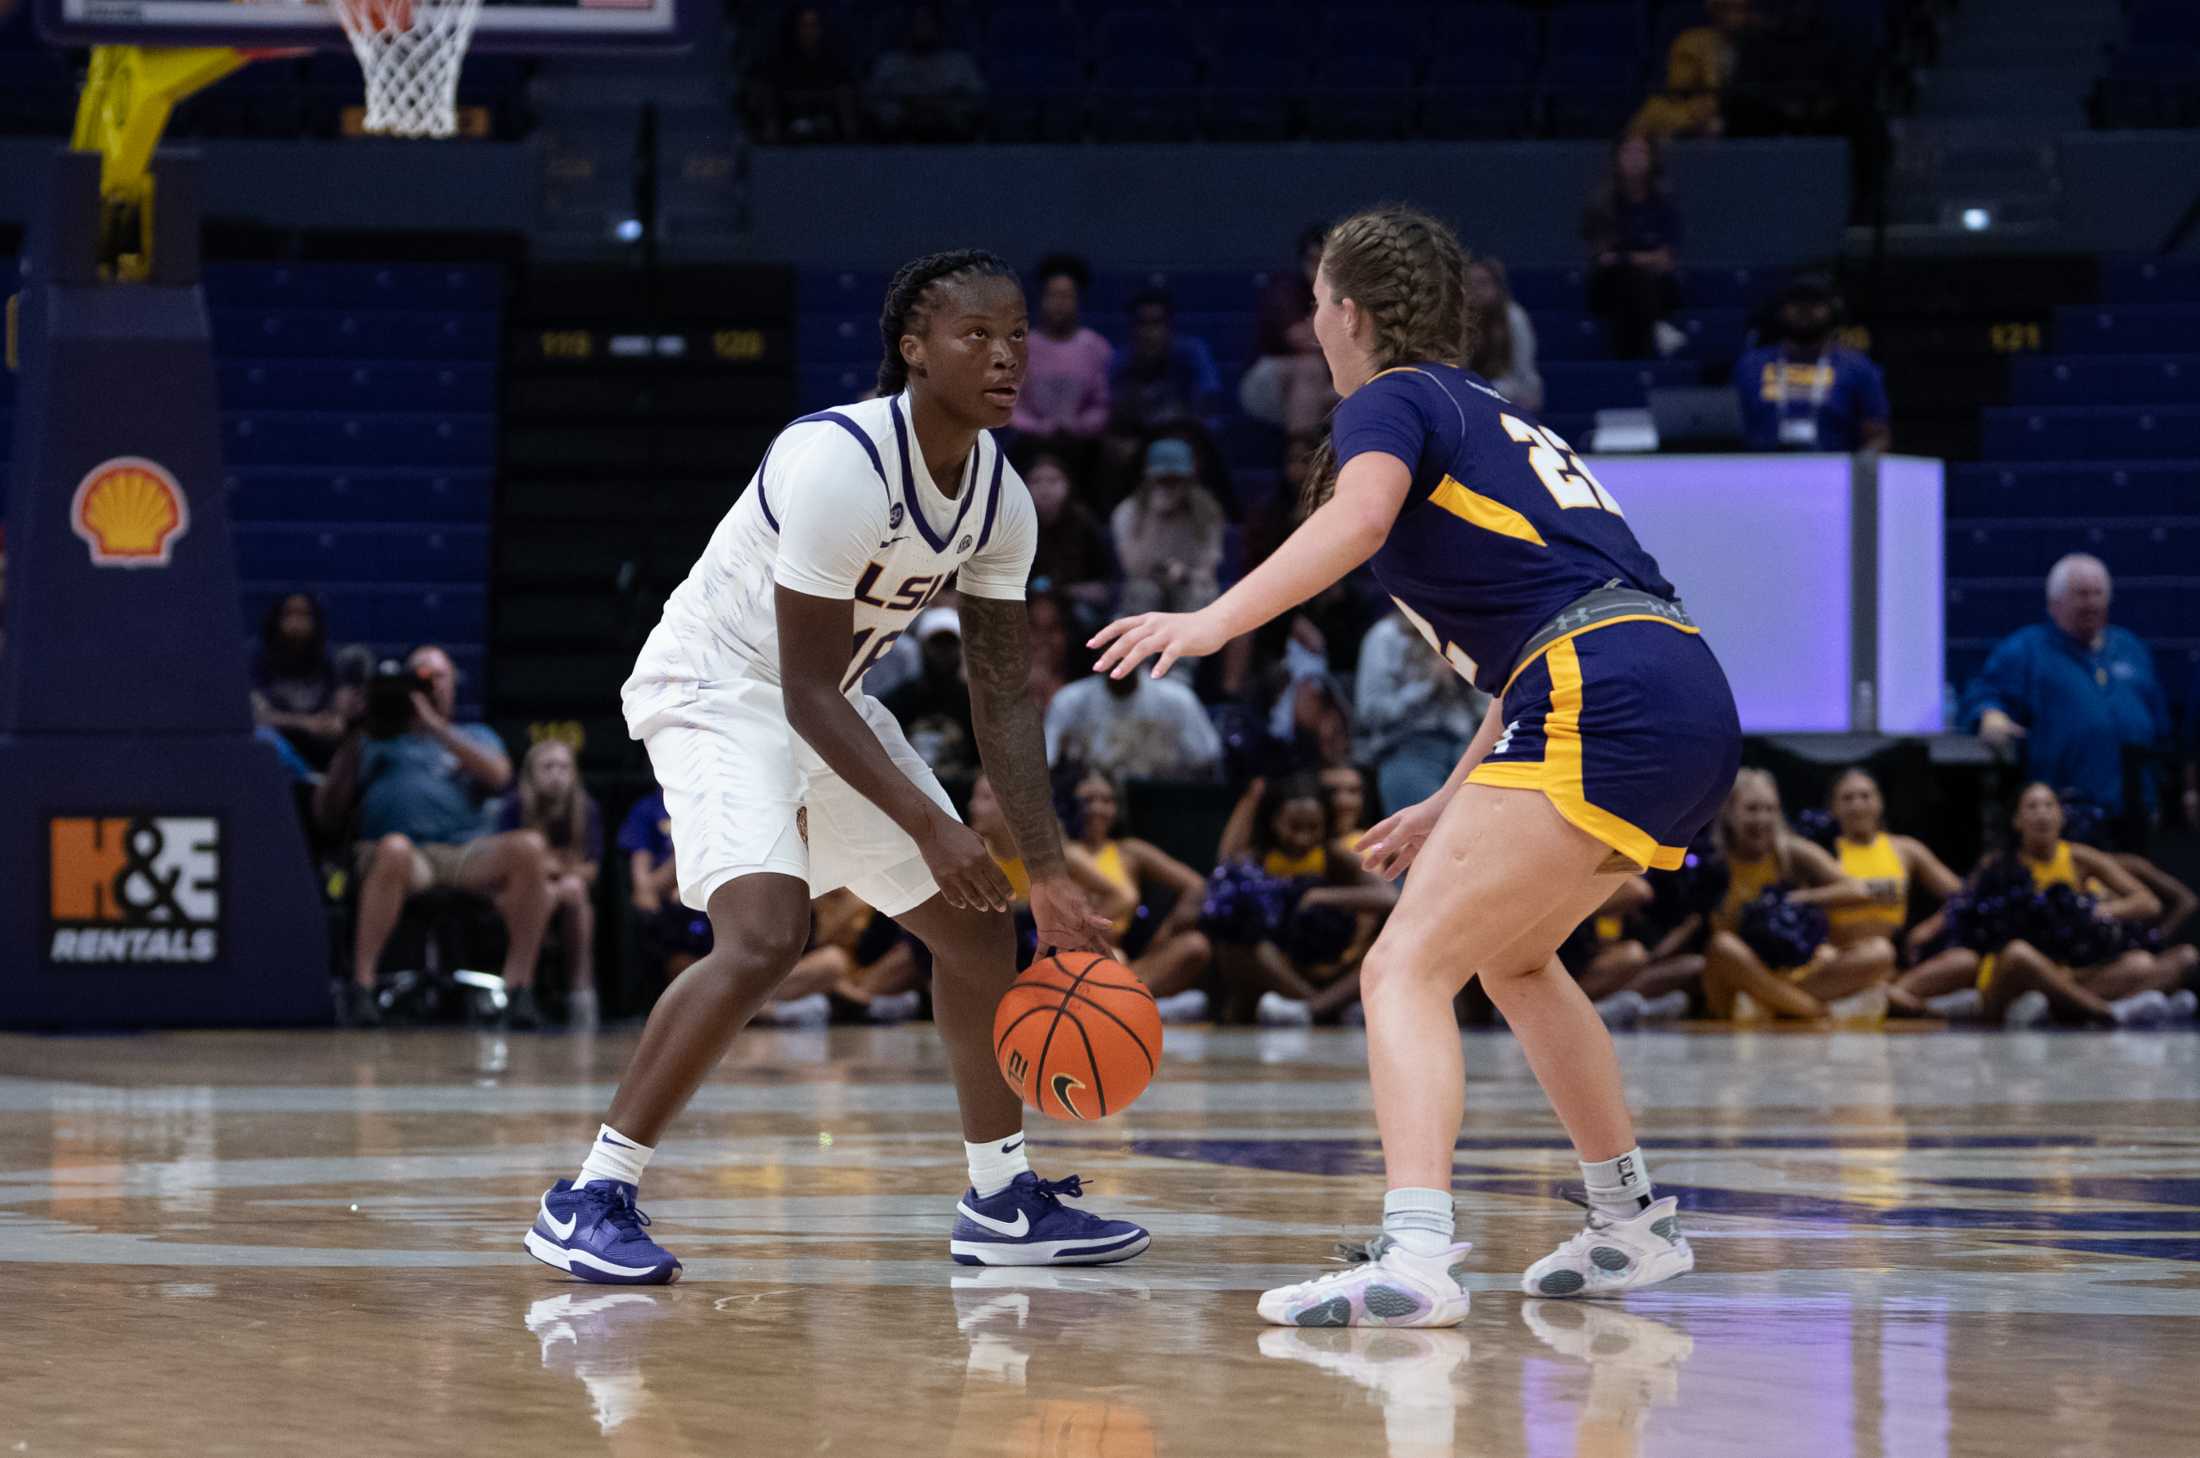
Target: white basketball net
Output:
{"points": [[411, 51]]}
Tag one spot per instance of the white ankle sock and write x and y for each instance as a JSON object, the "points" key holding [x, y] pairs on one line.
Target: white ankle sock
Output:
{"points": [[1419, 1219], [995, 1163], [614, 1157], [1619, 1188]]}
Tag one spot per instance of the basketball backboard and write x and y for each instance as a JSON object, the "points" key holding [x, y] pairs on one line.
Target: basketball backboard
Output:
{"points": [[527, 26]]}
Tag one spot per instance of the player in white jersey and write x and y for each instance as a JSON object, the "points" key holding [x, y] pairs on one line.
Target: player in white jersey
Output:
{"points": [[785, 781]]}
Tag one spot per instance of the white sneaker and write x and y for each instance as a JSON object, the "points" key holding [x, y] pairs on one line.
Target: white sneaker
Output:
{"points": [[1965, 1004], [2183, 1003], [1277, 1011], [895, 1007], [1623, 1009], [2149, 1009], [2026, 1010], [814, 1011], [1387, 1285], [1611, 1256], [1664, 1009], [1189, 1006]]}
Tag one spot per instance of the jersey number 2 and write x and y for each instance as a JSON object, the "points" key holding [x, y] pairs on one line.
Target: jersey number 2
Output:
{"points": [[1561, 471]]}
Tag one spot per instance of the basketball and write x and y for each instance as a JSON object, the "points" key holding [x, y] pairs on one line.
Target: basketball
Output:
{"points": [[1077, 1036]]}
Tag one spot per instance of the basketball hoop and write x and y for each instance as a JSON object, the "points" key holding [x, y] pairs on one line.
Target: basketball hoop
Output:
{"points": [[411, 51]]}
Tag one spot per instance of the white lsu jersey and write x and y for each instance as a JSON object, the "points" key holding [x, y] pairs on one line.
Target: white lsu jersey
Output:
{"points": [[843, 507]]}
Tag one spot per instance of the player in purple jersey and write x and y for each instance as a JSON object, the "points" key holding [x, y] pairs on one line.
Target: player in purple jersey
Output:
{"points": [[1611, 741]]}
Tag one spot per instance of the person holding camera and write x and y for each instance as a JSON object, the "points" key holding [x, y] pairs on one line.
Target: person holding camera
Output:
{"points": [[417, 783]]}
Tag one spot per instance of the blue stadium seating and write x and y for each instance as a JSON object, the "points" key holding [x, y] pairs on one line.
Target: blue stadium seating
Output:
{"points": [[359, 432], [2107, 432], [2082, 329], [292, 495], [2071, 488], [2157, 379]]}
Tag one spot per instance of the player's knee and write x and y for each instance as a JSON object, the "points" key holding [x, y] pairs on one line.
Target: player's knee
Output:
{"points": [[1197, 946], [978, 942], [763, 949], [1391, 969]]}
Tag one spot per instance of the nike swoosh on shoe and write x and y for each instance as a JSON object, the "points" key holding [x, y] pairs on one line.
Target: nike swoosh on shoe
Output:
{"points": [[998, 1227], [562, 1229]]}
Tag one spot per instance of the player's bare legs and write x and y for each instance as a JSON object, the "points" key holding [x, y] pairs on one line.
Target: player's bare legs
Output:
{"points": [[1480, 901], [1500, 883], [758, 924], [973, 962]]}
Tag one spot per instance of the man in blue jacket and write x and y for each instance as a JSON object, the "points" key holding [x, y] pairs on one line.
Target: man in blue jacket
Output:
{"points": [[2071, 692]]}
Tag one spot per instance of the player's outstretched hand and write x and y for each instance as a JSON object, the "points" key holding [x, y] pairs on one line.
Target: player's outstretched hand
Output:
{"points": [[1130, 641], [969, 878], [1065, 919], [1388, 849]]}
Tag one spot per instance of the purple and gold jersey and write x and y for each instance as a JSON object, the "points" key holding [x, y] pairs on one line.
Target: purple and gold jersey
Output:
{"points": [[1504, 525]]}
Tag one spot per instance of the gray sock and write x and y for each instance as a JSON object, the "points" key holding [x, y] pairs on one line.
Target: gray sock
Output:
{"points": [[1419, 1219], [1619, 1188]]}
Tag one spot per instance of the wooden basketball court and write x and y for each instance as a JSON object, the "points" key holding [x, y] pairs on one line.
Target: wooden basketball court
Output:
{"points": [[1909, 1246]]}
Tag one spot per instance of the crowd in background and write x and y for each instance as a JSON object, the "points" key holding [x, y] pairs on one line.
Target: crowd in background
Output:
{"points": [[1315, 726]]}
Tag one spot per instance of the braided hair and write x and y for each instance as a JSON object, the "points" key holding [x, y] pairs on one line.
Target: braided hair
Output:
{"points": [[1408, 274], [907, 303]]}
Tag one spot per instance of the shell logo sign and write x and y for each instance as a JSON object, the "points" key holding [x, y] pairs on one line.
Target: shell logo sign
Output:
{"points": [[130, 512]]}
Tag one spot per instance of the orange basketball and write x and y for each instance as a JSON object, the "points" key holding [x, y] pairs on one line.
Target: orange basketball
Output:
{"points": [[1077, 1036]]}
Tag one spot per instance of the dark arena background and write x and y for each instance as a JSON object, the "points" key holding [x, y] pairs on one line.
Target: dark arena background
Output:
{"points": [[351, 445]]}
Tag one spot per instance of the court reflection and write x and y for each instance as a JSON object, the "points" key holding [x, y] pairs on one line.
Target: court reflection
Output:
{"points": [[601, 1338], [1634, 1367], [1014, 1408], [1411, 1376]]}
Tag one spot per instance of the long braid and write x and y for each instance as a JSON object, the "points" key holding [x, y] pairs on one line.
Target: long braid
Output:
{"points": [[907, 301], [1406, 271]]}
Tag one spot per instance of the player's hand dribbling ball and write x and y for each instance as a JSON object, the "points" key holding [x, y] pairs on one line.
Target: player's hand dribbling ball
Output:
{"points": [[1077, 1036]]}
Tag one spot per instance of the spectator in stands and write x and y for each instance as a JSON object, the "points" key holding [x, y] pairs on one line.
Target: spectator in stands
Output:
{"points": [[1290, 910], [296, 689], [1698, 66], [804, 90], [1416, 714], [2072, 694], [1168, 952], [1166, 377], [1501, 345], [933, 708], [672, 935], [1133, 727], [1168, 535], [1634, 233], [2083, 958], [553, 803], [1066, 378], [1072, 555], [1288, 385], [1804, 392], [926, 90], [1772, 953], [418, 800]]}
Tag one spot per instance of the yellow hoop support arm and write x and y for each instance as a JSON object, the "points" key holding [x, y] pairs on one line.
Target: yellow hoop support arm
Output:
{"points": [[127, 98]]}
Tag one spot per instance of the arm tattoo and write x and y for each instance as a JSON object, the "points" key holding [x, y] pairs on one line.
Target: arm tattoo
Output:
{"points": [[1011, 739]]}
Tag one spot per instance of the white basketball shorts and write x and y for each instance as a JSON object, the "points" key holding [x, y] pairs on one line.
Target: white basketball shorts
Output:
{"points": [[747, 794]]}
